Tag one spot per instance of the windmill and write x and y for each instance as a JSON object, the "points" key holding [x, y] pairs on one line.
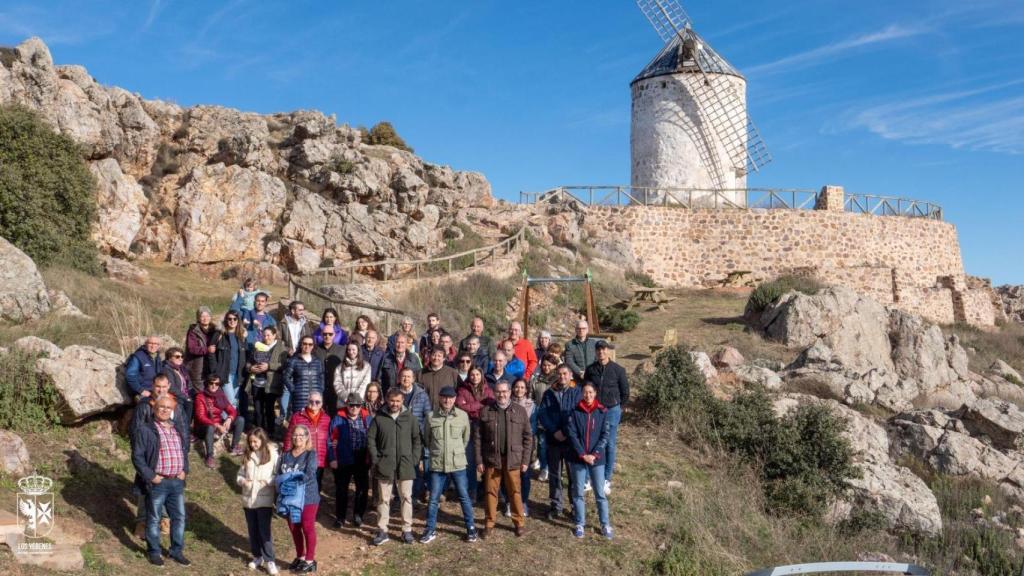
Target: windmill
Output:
{"points": [[689, 120]]}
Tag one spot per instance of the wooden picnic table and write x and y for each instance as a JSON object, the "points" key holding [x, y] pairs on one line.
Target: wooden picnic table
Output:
{"points": [[642, 294]]}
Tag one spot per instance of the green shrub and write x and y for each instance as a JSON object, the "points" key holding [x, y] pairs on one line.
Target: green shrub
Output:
{"points": [[640, 279], [47, 194], [802, 459], [617, 319], [27, 402], [384, 134], [343, 166], [768, 292]]}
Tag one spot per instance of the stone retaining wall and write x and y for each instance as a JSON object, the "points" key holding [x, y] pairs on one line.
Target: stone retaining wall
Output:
{"points": [[911, 263]]}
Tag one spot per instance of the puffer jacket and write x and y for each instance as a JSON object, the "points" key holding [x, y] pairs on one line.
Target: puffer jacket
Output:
{"points": [[589, 429], [301, 378], [141, 368], [469, 402], [417, 401], [261, 492], [348, 379], [554, 412], [319, 433], [211, 406], [446, 438]]}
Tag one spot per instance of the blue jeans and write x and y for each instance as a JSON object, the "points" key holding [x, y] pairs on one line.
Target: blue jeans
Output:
{"points": [[437, 482], [169, 494], [542, 449], [596, 474], [560, 455], [286, 398], [231, 390], [420, 483], [614, 418]]}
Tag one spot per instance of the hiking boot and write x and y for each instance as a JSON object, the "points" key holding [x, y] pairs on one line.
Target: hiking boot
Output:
{"points": [[156, 560], [165, 526], [295, 564], [485, 533], [408, 538], [471, 535], [606, 531], [520, 531], [428, 537], [180, 559], [578, 531], [380, 539], [210, 462]]}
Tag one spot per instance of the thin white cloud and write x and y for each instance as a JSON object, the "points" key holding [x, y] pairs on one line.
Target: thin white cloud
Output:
{"points": [[154, 11], [835, 50], [987, 118]]}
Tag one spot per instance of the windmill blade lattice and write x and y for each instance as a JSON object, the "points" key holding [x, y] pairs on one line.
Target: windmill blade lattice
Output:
{"points": [[667, 17], [722, 107]]}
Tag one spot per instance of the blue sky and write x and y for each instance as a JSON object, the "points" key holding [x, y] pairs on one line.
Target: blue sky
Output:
{"points": [[918, 98]]}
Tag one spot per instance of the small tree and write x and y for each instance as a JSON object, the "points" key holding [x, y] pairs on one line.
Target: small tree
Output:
{"points": [[47, 194], [384, 134]]}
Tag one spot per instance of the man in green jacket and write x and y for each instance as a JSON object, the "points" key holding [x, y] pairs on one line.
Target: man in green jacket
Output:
{"points": [[446, 435], [395, 445], [581, 351]]}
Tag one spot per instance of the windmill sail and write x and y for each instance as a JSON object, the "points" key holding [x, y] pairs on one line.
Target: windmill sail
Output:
{"points": [[667, 17]]}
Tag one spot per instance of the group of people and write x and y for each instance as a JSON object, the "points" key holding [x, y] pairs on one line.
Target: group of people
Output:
{"points": [[400, 417]]}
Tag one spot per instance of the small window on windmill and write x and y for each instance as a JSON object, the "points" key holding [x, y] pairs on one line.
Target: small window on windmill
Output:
{"points": [[664, 85]]}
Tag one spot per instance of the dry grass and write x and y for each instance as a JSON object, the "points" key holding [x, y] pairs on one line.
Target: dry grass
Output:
{"points": [[120, 312], [1005, 343]]}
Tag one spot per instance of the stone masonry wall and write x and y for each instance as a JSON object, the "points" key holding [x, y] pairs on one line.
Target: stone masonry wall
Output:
{"points": [[911, 263]]}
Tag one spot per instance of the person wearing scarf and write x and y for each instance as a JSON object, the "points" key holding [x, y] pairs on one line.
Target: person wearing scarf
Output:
{"points": [[318, 422], [589, 430]]}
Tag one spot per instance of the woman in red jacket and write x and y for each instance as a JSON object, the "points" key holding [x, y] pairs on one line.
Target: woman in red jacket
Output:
{"points": [[214, 415], [319, 424]]}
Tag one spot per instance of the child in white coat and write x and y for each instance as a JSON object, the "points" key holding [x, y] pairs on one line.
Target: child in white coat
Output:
{"points": [[256, 477]]}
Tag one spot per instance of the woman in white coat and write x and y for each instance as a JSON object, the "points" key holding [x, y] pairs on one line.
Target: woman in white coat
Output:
{"points": [[256, 477], [353, 374]]}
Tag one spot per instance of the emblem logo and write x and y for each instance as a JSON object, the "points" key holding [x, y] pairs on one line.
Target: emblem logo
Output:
{"points": [[35, 506]]}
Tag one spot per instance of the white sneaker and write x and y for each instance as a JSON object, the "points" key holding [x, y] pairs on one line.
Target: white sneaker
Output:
{"points": [[536, 464], [255, 563], [271, 569], [587, 487], [508, 510], [543, 476], [607, 487]]}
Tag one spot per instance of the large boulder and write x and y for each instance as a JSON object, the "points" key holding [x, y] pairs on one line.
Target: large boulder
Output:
{"points": [[122, 206], [14, 458], [23, 295], [758, 376], [1002, 423], [1006, 372], [224, 213], [884, 487], [1012, 298], [37, 345], [124, 271], [88, 380]]}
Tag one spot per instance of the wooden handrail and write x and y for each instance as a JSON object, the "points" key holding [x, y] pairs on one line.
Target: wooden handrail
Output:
{"points": [[447, 258]]}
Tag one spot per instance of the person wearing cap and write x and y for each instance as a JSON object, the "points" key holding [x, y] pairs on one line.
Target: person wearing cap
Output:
{"points": [[349, 458], [445, 436], [612, 387]]}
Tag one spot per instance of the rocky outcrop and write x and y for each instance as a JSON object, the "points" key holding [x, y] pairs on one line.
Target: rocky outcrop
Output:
{"points": [[858, 351], [14, 458], [88, 380], [38, 346], [211, 186], [885, 487], [1012, 298], [123, 270], [23, 295]]}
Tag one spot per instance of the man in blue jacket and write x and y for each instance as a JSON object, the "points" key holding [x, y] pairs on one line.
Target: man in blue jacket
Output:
{"points": [[555, 407], [142, 366]]}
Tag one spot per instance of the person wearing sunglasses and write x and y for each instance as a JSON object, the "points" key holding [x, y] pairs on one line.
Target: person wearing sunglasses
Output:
{"points": [[229, 358], [180, 380], [303, 375]]}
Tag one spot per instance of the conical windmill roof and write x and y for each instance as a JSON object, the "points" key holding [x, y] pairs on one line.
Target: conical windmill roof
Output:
{"points": [[671, 60]]}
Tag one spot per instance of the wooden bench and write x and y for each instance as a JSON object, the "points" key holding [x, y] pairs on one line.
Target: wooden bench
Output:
{"points": [[643, 294]]}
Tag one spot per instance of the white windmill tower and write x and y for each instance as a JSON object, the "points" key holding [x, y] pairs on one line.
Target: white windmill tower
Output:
{"points": [[689, 120]]}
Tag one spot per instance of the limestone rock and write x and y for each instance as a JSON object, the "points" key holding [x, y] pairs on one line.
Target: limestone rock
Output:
{"points": [[727, 357], [1005, 371], [758, 376], [224, 213], [122, 206], [125, 271], [1001, 422], [14, 458], [36, 345], [61, 305], [919, 352], [89, 381], [1012, 298], [704, 364], [23, 295], [853, 327]]}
